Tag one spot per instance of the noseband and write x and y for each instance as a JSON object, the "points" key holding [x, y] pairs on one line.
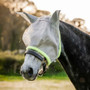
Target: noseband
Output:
{"points": [[32, 52]]}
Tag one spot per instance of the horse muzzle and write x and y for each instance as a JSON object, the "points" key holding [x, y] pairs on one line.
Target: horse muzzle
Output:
{"points": [[28, 74]]}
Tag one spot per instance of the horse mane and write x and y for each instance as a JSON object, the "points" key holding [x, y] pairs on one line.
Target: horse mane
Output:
{"points": [[67, 26]]}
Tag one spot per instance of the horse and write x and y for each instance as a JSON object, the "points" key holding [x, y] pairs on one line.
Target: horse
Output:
{"points": [[48, 39]]}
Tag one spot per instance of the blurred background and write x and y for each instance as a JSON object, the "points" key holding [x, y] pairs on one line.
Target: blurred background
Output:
{"points": [[12, 27]]}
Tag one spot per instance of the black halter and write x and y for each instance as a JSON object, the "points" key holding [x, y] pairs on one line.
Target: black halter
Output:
{"points": [[37, 55]]}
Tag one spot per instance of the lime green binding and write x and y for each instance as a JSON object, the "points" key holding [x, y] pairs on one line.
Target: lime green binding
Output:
{"points": [[59, 53], [41, 52]]}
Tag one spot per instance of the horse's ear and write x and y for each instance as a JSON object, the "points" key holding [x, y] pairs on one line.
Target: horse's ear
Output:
{"points": [[28, 17], [55, 17]]}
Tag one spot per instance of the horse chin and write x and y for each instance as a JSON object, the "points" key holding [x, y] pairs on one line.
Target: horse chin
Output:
{"points": [[30, 78]]}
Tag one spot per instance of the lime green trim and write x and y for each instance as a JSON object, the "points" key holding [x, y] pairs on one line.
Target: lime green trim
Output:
{"points": [[41, 52], [59, 53]]}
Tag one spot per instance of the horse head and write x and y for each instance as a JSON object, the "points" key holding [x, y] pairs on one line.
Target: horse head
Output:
{"points": [[42, 41]]}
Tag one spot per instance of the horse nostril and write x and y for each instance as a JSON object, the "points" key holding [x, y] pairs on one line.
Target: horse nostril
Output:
{"points": [[30, 72]]}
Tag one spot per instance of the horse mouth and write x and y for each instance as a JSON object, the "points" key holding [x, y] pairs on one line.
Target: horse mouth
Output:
{"points": [[25, 76], [31, 76]]}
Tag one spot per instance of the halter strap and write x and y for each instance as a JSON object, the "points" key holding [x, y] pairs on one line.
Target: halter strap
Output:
{"points": [[32, 52], [41, 52]]}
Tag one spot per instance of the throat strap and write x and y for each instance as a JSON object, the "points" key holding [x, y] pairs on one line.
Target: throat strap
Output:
{"points": [[41, 52]]}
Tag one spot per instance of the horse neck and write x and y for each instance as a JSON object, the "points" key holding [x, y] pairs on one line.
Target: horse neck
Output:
{"points": [[68, 29], [76, 52], [72, 36]]}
